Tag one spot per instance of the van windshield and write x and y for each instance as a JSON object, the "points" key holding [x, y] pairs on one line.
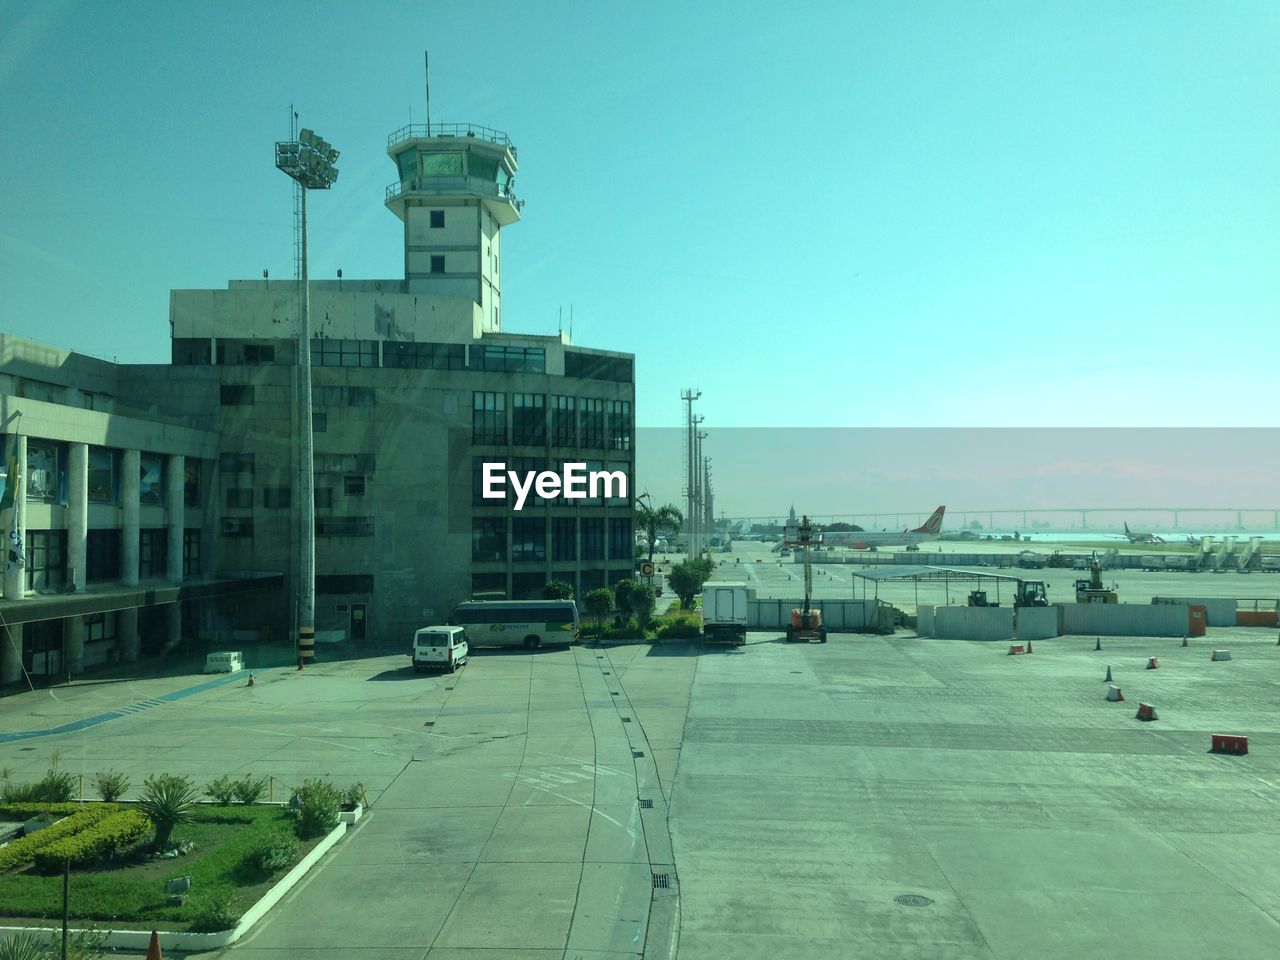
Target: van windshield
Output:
{"points": [[433, 639]]}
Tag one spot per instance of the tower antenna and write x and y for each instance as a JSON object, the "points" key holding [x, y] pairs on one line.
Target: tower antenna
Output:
{"points": [[426, 71]]}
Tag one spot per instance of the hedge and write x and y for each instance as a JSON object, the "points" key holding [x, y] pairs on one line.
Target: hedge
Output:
{"points": [[101, 839], [25, 811], [24, 850]]}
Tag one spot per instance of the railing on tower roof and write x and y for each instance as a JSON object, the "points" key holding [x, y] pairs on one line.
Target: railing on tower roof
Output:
{"points": [[417, 131]]}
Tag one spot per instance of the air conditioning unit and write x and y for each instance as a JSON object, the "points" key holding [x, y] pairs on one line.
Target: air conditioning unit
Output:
{"points": [[231, 526]]}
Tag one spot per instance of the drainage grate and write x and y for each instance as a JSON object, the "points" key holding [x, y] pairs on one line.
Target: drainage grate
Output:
{"points": [[615, 693], [429, 723], [626, 719], [646, 804], [599, 656], [662, 880], [605, 672], [912, 900], [448, 688], [637, 754]]}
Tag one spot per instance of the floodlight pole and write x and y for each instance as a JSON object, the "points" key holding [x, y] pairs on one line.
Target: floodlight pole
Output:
{"points": [[309, 161]]}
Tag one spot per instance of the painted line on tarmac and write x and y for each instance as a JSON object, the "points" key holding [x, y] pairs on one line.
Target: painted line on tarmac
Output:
{"points": [[130, 711]]}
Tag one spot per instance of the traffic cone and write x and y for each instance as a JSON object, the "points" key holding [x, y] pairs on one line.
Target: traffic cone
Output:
{"points": [[1184, 641], [299, 661], [1028, 646], [1108, 677], [1153, 663], [250, 678], [1097, 645], [153, 948]]}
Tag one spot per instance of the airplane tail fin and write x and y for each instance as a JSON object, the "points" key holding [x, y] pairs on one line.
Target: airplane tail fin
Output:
{"points": [[1126, 528], [933, 524]]}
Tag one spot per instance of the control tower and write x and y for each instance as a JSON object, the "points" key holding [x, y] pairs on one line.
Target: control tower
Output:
{"points": [[455, 194]]}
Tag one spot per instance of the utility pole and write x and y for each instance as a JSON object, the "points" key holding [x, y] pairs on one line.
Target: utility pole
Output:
{"points": [[690, 465]]}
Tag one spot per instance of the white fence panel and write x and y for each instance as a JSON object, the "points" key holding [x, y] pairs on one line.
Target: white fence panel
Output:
{"points": [[1037, 623], [1218, 611], [924, 620], [1125, 619], [973, 623]]}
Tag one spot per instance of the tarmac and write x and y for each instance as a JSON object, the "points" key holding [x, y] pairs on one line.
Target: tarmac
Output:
{"points": [[875, 797]]}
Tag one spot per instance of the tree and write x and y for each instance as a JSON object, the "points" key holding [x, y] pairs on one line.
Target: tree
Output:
{"points": [[599, 602], [643, 600], [557, 590], [687, 580], [167, 801], [652, 519], [624, 594]]}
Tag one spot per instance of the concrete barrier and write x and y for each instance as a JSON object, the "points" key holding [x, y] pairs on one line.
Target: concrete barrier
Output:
{"points": [[1219, 611], [973, 623], [1125, 619], [924, 620]]}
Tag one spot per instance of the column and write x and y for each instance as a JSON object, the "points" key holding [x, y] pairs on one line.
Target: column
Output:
{"points": [[127, 625], [15, 578], [175, 500], [10, 653], [77, 516], [73, 645], [173, 625], [130, 494]]}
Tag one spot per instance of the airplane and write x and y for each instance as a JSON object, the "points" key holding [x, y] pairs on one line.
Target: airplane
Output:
{"points": [[1140, 537], [870, 539]]}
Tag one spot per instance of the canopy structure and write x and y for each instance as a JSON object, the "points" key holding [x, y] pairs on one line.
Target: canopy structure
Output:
{"points": [[928, 574]]}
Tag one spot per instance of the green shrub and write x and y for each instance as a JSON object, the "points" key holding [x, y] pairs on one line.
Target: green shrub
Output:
{"points": [[110, 784], [354, 796], [167, 800], [222, 790], [272, 853], [24, 850], [684, 626], [557, 590], [319, 805], [56, 786], [24, 946], [250, 790], [104, 838], [215, 916], [25, 811], [81, 945]]}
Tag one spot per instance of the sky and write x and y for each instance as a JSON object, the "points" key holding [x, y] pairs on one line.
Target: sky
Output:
{"points": [[845, 214]]}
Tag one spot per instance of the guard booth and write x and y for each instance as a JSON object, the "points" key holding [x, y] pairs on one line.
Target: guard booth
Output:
{"points": [[1196, 620]]}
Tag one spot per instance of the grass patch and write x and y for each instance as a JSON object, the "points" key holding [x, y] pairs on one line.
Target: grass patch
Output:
{"points": [[131, 887]]}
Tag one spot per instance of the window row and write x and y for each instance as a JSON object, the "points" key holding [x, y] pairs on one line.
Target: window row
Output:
{"points": [[46, 556], [526, 540], [574, 421], [242, 527], [46, 479], [389, 354], [528, 585]]}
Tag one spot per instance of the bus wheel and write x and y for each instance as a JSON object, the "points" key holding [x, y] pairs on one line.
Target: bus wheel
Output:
{"points": [[532, 643]]}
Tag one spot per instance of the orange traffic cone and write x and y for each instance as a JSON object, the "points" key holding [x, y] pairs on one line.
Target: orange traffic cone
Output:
{"points": [[153, 948]]}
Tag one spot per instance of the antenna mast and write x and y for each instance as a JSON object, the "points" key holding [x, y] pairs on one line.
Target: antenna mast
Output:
{"points": [[426, 70]]}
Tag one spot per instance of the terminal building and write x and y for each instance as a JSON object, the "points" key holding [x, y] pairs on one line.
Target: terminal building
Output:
{"points": [[158, 502]]}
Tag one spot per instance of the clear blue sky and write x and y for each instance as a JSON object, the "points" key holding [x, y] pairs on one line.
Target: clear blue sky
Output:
{"points": [[948, 213]]}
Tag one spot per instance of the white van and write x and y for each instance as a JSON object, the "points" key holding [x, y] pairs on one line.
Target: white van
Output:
{"points": [[443, 648]]}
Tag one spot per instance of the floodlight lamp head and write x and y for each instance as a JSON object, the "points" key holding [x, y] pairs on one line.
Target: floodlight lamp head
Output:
{"points": [[306, 135]]}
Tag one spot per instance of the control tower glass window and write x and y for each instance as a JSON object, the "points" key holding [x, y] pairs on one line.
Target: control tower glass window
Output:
{"points": [[442, 164], [408, 164], [486, 168]]}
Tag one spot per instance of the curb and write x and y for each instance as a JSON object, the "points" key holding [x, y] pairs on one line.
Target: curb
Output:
{"points": [[195, 942]]}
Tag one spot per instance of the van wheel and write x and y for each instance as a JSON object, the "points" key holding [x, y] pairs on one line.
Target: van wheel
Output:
{"points": [[532, 643], [451, 667]]}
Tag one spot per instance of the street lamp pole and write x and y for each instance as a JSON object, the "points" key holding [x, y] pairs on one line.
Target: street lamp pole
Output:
{"points": [[309, 160]]}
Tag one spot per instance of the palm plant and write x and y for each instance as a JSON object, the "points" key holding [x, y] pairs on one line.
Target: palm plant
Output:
{"points": [[652, 519], [168, 801]]}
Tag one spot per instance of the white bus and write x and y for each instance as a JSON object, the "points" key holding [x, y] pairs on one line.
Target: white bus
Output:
{"points": [[510, 623]]}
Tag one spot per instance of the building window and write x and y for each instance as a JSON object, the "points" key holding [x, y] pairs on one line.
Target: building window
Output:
{"points": [[344, 353], [191, 482], [620, 497], [44, 471], [528, 539], [153, 552], [46, 558], [619, 424], [344, 463], [342, 397], [489, 539], [424, 356], [353, 486], [523, 466], [564, 538], [259, 353], [489, 418], [593, 538], [529, 419], [236, 394], [437, 219], [319, 421], [151, 483], [437, 263], [191, 566], [191, 351], [344, 583], [102, 475], [593, 430], [344, 526], [237, 526], [240, 498], [100, 628], [504, 359], [102, 555], [564, 422], [488, 586], [592, 366], [237, 463], [276, 498], [621, 543]]}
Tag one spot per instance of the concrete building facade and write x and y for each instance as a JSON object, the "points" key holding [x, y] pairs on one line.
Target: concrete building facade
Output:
{"points": [[182, 477]]}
